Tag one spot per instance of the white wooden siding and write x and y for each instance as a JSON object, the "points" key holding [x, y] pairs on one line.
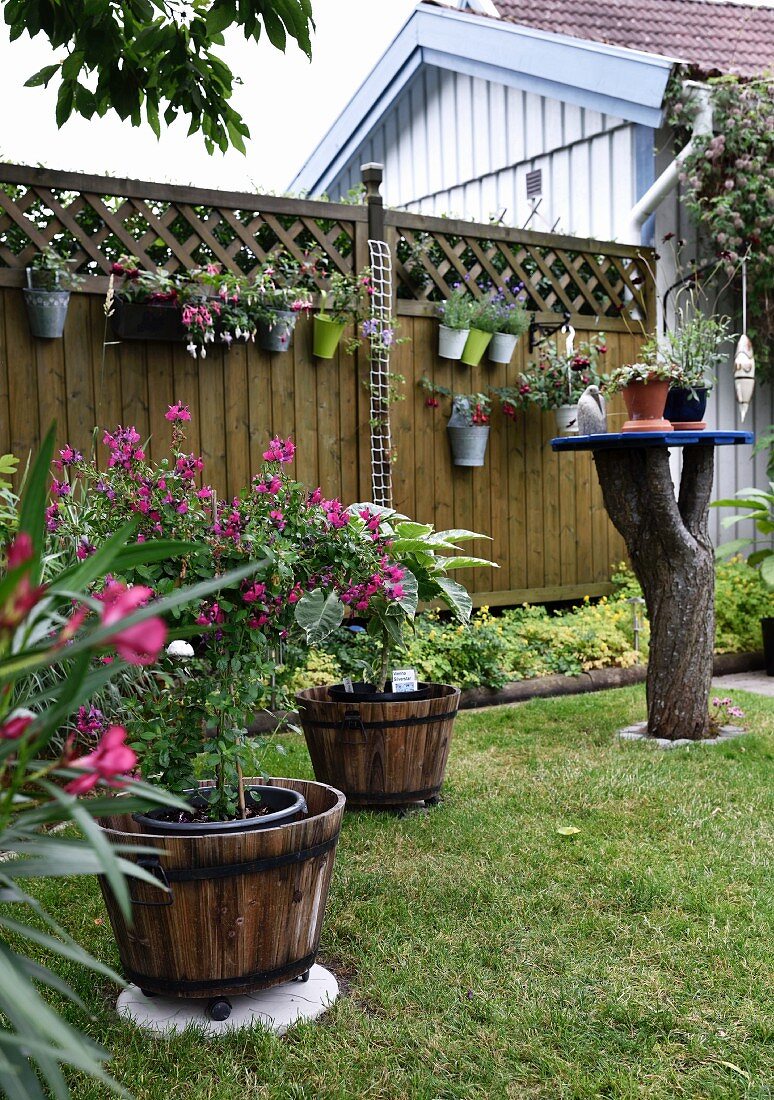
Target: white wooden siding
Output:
{"points": [[456, 144]]}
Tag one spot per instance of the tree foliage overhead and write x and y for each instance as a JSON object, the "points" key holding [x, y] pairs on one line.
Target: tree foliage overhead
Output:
{"points": [[155, 55]]}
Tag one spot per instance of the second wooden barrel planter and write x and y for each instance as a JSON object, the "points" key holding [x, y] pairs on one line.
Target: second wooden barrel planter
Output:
{"points": [[380, 753], [244, 910]]}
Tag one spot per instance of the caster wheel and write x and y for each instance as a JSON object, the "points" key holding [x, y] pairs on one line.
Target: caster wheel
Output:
{"points": [[148, 993], [434, 800], [219, 1008], [305, 976]]}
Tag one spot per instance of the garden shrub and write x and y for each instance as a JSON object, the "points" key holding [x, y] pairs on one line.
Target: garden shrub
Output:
{"points": [[530, 641], [741, 601]]}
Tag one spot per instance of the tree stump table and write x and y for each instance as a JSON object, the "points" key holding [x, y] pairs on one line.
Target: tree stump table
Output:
{"points": [[667, 537]]}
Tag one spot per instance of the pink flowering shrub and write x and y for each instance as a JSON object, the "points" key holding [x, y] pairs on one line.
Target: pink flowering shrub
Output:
{"points": [[298, 541]]}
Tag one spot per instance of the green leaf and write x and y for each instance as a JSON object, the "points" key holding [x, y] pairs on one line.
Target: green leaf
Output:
{"points": [[729, 549], [319, 615], [64, 102], [41, 77], [767, 570], [456, 597], [410, 530], [408, 601], [463, 562]]}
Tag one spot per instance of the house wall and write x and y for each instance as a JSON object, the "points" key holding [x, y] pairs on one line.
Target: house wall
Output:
{"points": [[456, 144], [735, 467]]}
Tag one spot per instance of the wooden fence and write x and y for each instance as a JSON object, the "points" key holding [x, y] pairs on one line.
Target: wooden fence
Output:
{"points": [[551, 536]]}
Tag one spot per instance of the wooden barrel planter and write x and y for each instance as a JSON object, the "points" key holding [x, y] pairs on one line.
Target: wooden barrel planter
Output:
{"points": [[244, 910], [380, 754]]}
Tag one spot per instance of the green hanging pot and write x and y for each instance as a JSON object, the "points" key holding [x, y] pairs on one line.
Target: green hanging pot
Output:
{"points": [[475, 346], [327, 334]]}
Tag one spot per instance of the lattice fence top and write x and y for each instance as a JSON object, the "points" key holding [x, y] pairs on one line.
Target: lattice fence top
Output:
{"points": [[551, 274], [94, 220]]}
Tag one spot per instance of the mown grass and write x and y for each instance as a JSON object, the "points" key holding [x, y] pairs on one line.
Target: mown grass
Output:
{"points": [[485, 955]]}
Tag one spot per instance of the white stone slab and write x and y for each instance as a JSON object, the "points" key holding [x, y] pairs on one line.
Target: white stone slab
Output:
{"points": [[639, 732], [276, 1009]]}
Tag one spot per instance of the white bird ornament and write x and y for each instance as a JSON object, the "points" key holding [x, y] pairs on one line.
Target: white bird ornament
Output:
{"points": [[592, 412]]}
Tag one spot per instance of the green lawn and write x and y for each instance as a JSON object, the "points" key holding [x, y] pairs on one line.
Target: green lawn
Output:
{"points": [[483, 954]]}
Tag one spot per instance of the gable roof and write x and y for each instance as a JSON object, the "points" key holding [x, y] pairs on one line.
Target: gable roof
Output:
{"points": [[622, 82], [711, 37]]}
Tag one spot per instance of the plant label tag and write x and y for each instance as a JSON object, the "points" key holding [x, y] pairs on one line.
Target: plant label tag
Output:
{"points": [[347, 682], [404, 679]]}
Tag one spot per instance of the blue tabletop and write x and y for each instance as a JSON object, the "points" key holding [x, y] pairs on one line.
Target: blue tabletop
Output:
{"points": [[626, 440]]}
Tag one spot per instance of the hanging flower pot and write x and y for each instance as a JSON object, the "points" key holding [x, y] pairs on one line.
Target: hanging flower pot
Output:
{"points": [[645, 406], [567, 419], [326, 336], [147, 320], [685, 408], [277, 334], [451, 341], [468, 443], [46, 312], [501, 347], [475, 346]]}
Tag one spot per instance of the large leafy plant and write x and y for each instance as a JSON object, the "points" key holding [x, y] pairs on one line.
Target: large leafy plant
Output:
{"points": [[420, 559], [60, 642], [758, 506]]}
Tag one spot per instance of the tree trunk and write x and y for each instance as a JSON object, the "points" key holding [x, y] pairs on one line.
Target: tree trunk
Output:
{"points": [[671, 553]]}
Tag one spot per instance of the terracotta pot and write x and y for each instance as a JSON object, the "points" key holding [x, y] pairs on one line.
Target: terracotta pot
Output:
{"points": [[645, 403]]}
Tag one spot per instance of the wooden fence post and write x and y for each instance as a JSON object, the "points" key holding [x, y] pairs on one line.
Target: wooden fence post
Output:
{"points": [[372, 175]]}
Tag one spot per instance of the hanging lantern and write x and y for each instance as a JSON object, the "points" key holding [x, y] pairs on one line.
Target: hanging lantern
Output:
{"points": [[744, 360]]}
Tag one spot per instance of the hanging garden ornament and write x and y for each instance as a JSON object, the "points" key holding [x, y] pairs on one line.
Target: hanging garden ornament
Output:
{"points": [[744, 374], [744, 360]]}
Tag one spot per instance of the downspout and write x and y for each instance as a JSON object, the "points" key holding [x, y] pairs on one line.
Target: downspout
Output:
{"points": [[660, 188]]}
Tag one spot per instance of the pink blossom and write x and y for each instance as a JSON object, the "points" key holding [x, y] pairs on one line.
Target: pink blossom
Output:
{"points": [[24, 596], [280, 450], [177, 412], [139, 644], [109, 762], [15, 726]]}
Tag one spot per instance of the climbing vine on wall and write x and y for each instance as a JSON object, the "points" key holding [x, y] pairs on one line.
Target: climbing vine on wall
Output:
{"points": [[728, 183]]}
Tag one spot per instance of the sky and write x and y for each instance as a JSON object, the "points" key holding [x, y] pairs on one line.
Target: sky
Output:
{"points": [[287, 102]]}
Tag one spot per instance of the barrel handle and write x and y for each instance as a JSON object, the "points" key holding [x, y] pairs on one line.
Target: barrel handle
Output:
{"points": [[152, 864], [353, 722]]}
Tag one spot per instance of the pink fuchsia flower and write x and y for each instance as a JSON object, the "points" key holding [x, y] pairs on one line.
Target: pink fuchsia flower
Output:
{"points": [[15, 725], [109, 762], [90, 721], [68, 456], [278, 519], [177, 412], [210, 614], [255, 592], [141, 643], [280, 450]]}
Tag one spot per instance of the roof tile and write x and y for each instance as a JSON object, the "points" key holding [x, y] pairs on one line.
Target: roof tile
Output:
{"points": [[710, 36]]}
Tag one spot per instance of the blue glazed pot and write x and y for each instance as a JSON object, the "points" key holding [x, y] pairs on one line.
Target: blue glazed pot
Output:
{"points": [[685, 406]]}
